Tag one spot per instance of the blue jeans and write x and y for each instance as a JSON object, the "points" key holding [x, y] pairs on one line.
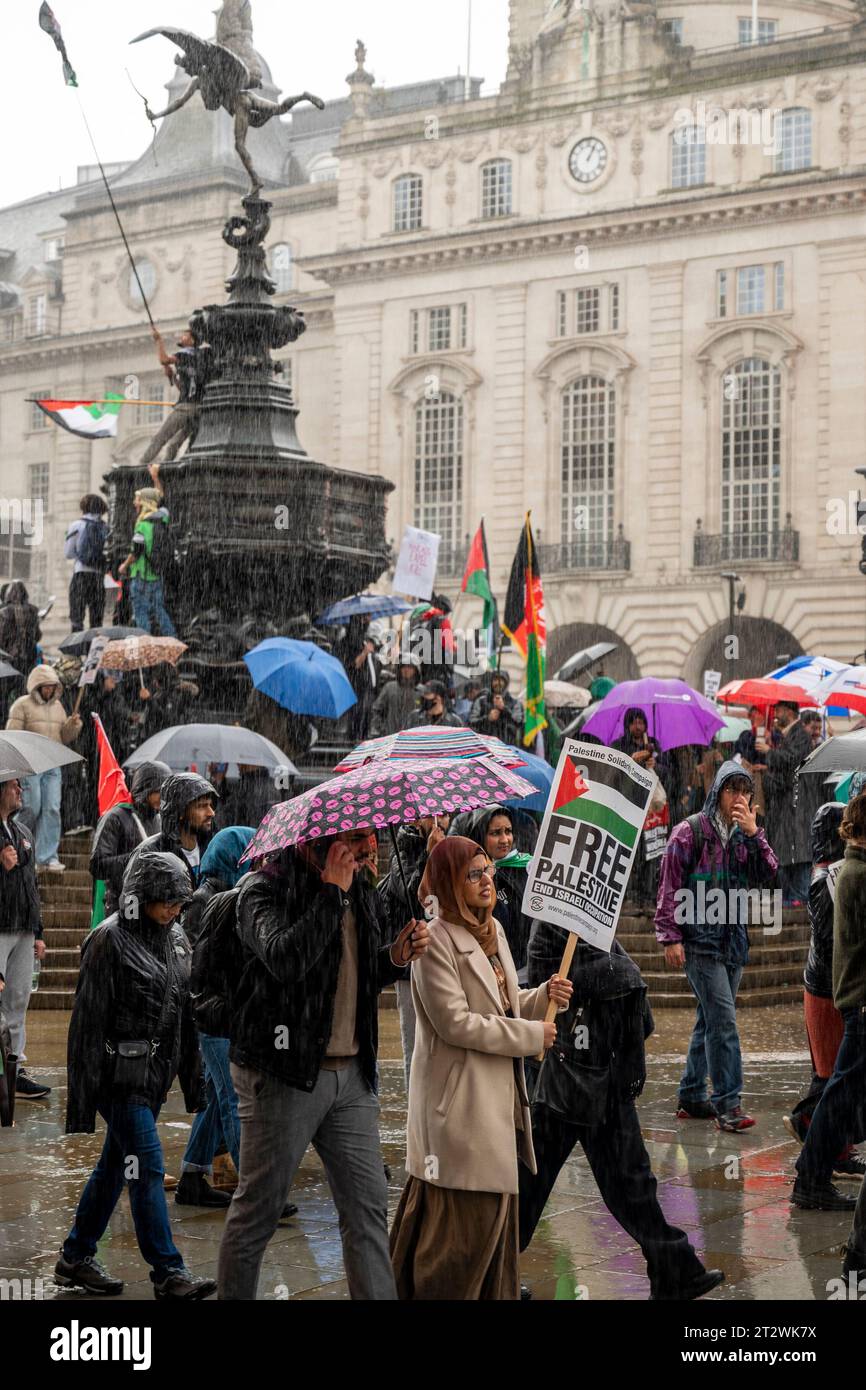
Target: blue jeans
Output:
{"points": [[132, 1134], [220, 1120], [41, 800], [148, 606], [715, 1046], [795, 880], [840, 1115]]}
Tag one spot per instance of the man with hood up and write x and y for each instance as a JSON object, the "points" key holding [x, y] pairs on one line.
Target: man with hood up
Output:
{"points": [[131, 1034], [122, 829], [41, 711], [187, 810], [498, 714], [702, 922], [395, 703]]}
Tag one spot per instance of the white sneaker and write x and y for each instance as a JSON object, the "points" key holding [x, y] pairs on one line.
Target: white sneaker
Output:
{"points": [[54, 866]]}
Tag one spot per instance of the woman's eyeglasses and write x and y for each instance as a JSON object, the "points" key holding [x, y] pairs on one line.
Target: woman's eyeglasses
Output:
{"points": [[476, 875]]}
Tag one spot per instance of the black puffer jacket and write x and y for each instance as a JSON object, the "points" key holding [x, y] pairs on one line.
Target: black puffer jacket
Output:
{"points": [[289, 923], [126, 965], [119, 831], [827, 846], [788, 823], [178, 792], [412, 845], [20, 908]]}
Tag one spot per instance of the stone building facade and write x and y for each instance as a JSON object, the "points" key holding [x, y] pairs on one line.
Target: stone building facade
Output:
{"points": [[627, 292]]}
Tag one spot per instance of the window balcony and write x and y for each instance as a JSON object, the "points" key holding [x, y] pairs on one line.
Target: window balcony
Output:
{"points": [[742, 547], [585, 555]]}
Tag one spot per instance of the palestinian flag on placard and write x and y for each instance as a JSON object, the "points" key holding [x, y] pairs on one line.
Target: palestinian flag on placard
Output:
{"points": [[525, 624], [48, 22], [88, 419], [476, 581], [610, 810], [111, 791]]}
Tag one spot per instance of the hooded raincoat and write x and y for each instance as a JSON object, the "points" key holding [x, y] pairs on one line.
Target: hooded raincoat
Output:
{"points": [[179, 791], [219, 873], [509, 724], [122, 829], [710, 922], [827, 847], [127, 966]]}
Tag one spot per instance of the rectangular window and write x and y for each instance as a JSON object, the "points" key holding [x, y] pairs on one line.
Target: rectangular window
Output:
{"points": [[408, 204], [463, 321], [688, 157], [150, 389], [614, 308], [415, 331], [55, 248], [439, 330], [674, 27], [768, 31], [779, 286], [587, 310], [750, 289], [15, 554], [496, 188], [37, 316], [38, 419], [562, 314], [723, 294], [38, 480]]}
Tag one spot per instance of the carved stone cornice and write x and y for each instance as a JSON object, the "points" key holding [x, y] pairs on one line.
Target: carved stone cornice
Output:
{"points": [[724, 209]]}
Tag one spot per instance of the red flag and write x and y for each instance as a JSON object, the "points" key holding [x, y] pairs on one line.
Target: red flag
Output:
{"points": [[112, 790]]}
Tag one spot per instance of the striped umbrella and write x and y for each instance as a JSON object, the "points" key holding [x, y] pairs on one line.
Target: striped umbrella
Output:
{"points": [[431, 741]]}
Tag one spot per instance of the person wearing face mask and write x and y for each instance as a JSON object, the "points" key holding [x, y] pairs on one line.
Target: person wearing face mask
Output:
{"points": [[455, 1234], [721, 848], [131, 1034], [434, 708]]}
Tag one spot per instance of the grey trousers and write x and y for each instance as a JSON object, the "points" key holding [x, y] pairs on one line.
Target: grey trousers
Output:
{"points": [[340, 1118], [16, 963], [406, 1010], [179, 425]]}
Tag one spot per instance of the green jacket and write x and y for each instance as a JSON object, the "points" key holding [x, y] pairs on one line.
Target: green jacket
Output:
{"points": [[142, 545], [849, 932]]}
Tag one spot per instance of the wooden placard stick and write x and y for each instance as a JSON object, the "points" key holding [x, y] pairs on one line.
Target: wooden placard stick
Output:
{"points": [[564, 967]]}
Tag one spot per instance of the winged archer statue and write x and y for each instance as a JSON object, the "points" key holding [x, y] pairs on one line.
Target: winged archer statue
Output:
{"points": [[228, 73]]}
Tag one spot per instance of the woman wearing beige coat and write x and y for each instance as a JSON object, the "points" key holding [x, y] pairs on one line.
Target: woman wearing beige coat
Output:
{"points": [[455, 1235], [41, 711]]}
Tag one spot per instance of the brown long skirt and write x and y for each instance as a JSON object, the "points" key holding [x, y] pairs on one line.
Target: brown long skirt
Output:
{"points": [[451, 1245]]}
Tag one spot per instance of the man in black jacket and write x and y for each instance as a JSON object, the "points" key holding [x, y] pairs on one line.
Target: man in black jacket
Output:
{"points": [[187, 811], [789, 823], [124, 828], [303, 1050], [131, 1033], [496, 713], [20, 927]]}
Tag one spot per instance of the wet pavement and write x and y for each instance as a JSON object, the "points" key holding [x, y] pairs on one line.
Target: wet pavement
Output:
{"points": [[729, 1192]]}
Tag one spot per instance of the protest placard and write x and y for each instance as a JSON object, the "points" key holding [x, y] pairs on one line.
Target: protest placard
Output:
{"points": [[415, 574], [592, 826]]}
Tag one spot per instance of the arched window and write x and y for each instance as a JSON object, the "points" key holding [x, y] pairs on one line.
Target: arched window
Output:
{"points": [[324, 168], [496, 198], [688, 156], [793, 142], [408, 203], [751, 456], [282, 269], [147, 276], [439, 467], [588, 458]]}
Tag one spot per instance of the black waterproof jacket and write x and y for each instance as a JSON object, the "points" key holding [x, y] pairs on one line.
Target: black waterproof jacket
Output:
{"points": [[827, 846], [789, 826], [123, 829], [20, 909], [290, 928], [178, 791], [126, 965], [509, 726]]}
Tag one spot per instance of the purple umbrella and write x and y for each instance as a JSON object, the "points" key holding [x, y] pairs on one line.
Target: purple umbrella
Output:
{"points": [[675, 714]]}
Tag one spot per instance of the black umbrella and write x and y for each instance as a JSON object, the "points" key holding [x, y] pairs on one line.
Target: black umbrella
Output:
{"points": [[77, 642], [581, 660], [843, 753]]}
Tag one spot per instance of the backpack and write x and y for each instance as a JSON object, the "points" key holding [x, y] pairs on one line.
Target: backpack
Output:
{"points": [[162, 551], [217, 964], [90, 545]]}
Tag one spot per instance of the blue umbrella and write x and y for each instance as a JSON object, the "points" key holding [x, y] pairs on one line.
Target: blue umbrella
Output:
{"points": [[300, 677], [540, 774], [362, 605]]}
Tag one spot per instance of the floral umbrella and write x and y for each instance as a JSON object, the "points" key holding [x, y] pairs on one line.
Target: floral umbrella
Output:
{"points": [[431, 741], [383, 795], [137, 653]]}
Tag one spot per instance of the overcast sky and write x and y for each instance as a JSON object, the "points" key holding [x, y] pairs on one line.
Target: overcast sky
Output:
{"points": [[308, 43]]}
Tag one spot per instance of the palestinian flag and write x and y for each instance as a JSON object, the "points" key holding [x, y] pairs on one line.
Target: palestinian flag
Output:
{"points": [[87, 419], [48, 22], [111, 791], [525, 624], [476, 581], [611, 809]]}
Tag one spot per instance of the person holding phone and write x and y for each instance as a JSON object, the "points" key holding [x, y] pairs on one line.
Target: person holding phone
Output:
{"points": [[705, 932], [303, 1043]]}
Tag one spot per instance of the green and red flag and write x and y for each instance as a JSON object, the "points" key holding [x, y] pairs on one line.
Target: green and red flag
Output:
{"points": [[111, 791], [525, 624], [87, 419], [476, 581], [48, 22]]}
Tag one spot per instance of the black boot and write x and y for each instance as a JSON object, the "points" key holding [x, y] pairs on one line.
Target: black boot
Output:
{"points": [[820, 1197], [194, 1190]]}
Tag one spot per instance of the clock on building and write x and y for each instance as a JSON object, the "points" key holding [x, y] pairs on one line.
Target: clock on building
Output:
{"points": [[588, 159]]}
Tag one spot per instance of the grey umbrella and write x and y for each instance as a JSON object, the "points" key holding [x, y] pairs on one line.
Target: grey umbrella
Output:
{"points": [[843, 753], [26, 755], [188, 744], [7, 671], [581, 660]]}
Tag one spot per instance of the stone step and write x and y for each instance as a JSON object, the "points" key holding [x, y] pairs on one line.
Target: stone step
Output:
{"points": [[62, 938], [54, 978], [61, 958], [62, 917], [746, 999], [58, 999], [641, 924], [796, 934], [73, 878], [58, 895], [760, 953], [754, 977]]}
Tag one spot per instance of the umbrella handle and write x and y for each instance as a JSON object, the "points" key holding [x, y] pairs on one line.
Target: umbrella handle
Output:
{"points": [[402, 872], [141, 678]]}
